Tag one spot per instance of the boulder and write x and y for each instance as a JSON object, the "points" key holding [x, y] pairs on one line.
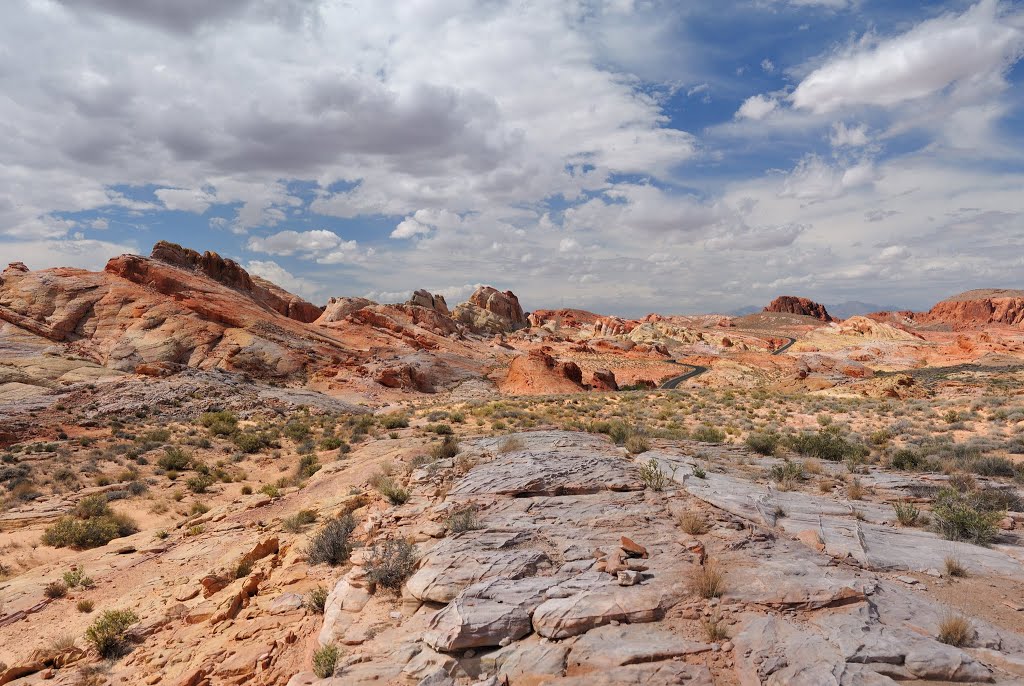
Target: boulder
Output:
{"points": [[790, 304]]}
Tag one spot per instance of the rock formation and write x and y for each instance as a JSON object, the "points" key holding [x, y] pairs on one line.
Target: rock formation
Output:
{"points": [[977, 308], [538, 373], [790, 304], [339, 308], [492, 311], [426, 299]]}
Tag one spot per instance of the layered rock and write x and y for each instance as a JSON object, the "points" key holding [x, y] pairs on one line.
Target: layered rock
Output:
{"points": [[977, 308], [538, 372], [422, 298], [492, 311], [338, 309], [223, 270], [789, 304]]}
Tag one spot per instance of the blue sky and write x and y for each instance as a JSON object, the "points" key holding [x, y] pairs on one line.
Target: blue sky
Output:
{"points": [[625, 156]]}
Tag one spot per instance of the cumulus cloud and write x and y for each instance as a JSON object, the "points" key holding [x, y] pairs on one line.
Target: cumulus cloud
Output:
{"points": [[757, 107], [844, 136], [275, 273], [292, 242], [961, 50]]}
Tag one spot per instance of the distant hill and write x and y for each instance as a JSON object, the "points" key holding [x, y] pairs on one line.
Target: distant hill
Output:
{"points": [[852, 308], [744, 311]]}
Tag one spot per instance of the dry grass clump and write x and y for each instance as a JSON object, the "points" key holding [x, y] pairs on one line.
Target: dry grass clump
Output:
{"points": [[955, 630], [906, 513], [954, 567], [708, 580], [693, 523], [855, 489], [714, 628]]}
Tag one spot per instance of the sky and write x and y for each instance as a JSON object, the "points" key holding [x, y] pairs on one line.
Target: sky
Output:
{"points": [[623, 156]]}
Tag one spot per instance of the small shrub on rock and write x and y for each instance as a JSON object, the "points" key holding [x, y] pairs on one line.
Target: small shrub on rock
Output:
{"points": [[325, 660], [390, 563], [109, 633], [332, 544]]}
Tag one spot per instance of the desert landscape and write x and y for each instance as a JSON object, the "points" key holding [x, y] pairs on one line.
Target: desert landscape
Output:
{"points": [[209, 480]]}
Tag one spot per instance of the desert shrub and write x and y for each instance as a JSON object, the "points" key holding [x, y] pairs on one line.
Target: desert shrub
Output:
{"points": [[174, 459], [394, 421], [330, 443], [250, 441], [708, 580], [907, 459], [763, 443], [464, 519], [298, 521], [652, 476], [714, 628], [992, 465], [389, 488], [75, 577], [955, 630], [440, 429], [827, 444], [618, 432], [787, 473], [511, 445], [391, 563], [325, 660], [855, 489], [271, 490], [708, 434], [84, 606], [55, 589], [92, 506], [137, 488], [73, 532], [219, 423], [316, 600], [296, 430], [964, 516], [637, 444], [332, 544], [699, 472], [307, 467], [109, 633], [247, 490], [446, 449], [200, 483], [906, 513]]}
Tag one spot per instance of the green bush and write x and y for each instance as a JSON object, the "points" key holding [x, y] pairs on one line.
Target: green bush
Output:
{"points": [[440, 429], [73, 532], [394, 421], [325, 659], [331, 443], [296, 430], [906, 459], [389, 488], [827, 444], [965, 516], [763, 443], [199, 483], [219, 423], [174, 459], [652, 476], [708, 434], [109, 633], [92, 506], [906, 513], [307, 467], [250, 441], [391, 563], [787, 472], [332, 544], [316, 600], [446, 449]]}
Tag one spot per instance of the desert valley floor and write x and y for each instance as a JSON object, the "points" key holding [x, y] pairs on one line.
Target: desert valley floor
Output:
{"points": [[207, 480]]}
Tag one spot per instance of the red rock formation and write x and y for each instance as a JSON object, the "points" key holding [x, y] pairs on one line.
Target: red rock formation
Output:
{"points": [[604, 380], [790, 304], [489, 310], [222, 270], [422, 298], [538, 373], [978, 308]]}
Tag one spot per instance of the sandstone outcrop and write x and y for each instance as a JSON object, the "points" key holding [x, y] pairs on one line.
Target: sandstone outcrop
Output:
{"points": [[339, 308], [492, 311], [537, 372], [604, 380], [422, 298], [790, 304], [223, 270], [977, 308]]}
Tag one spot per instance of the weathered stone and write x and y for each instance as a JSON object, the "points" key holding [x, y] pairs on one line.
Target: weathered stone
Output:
{"points": [[612, 646]]}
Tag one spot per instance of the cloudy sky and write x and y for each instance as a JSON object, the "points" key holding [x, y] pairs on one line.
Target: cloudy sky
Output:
{"points": [[625, 156]]}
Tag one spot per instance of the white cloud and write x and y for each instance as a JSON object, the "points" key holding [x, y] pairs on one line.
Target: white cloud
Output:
{"points": [[275, 273], [757, 107], [767, 66], [410, 228], [292, 242], [184, 199], [82, 253], [962, 50], [848, 137]]}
